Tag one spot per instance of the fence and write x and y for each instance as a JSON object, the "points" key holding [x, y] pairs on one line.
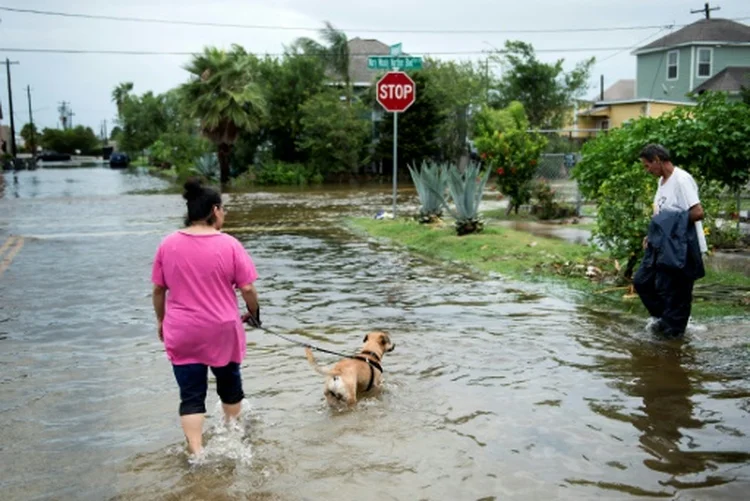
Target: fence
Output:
{"points": [[555, 168]]}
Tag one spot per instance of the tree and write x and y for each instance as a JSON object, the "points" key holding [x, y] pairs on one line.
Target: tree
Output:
{"points": [[30, 135], [545, 90], [121, 93], [115, 133], [335, 136], [418, 129], [287, 84], [455, 88], [142, 120], [489, 121], [224, 95], [78, 139], [506, 146], [335, 54]]}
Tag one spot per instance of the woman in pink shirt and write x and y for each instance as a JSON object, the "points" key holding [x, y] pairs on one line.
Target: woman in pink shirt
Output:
{"points": [[195, 273]]}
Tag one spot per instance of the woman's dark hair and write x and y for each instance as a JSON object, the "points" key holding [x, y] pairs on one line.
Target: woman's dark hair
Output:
{"points": [[200, 202], [653, 151]]}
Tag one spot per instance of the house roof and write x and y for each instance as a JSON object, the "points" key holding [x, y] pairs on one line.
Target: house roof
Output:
{"points": [[359, 50], [730, 79], [705, 30], [618, 91], [596, 111], [603, 108]]}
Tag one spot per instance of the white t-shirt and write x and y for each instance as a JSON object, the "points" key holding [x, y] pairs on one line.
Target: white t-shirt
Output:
{"points": [[679, 193]]}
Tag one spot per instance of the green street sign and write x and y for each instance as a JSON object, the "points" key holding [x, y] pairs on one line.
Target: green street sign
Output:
{"points": [[394, 63]]}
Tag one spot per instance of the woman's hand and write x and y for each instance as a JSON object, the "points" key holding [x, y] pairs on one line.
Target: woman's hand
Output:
{"points": [[160, 330], [252, 318]]}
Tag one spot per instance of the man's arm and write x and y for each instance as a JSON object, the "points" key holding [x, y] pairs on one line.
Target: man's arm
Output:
{"points": [[696, 213], [159, 298]]}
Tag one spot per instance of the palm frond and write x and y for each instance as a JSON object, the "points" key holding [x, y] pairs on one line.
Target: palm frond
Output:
{"points": [[221, 92]]}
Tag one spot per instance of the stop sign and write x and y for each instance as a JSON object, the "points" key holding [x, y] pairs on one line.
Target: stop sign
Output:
{"points": [[396, 91]]}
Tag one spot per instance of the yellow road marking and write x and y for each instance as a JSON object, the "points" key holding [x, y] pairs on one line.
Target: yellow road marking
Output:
{"points": [[9, 257], [7, 244]]}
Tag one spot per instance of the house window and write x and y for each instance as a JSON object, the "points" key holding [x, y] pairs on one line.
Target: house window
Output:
{"points": [[604, 125], [673, 61], [704, 62]]}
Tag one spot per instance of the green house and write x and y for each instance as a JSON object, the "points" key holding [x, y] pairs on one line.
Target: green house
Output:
{"points": [[710, 54]]}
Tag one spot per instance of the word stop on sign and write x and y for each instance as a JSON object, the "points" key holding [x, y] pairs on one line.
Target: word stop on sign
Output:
{"points": [[396, 91]]}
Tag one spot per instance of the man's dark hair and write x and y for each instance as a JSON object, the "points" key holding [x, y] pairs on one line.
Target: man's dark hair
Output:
{"points": [[653, 151]]}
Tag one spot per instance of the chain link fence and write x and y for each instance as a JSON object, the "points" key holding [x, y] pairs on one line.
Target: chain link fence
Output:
{"points": [[555, 169]]}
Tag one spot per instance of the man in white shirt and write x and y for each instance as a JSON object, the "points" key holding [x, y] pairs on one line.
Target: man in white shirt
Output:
{"points": [[668, 294]]}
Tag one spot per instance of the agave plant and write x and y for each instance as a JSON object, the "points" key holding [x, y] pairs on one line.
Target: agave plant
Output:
{"points": [[466, 191], [207, 166], [431, 182]]}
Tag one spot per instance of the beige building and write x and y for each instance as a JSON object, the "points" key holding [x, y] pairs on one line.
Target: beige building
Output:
{"points": [[617, 106]]}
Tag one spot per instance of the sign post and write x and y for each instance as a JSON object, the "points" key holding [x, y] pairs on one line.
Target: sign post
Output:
{"points": [[396, 91], [395, 161]]}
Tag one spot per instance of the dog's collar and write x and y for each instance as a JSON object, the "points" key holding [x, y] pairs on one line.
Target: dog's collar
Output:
{"points": [[371, 363], [372, 354]]}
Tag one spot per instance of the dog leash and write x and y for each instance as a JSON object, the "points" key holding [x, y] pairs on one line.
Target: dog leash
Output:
{"points": [[251, 321]]}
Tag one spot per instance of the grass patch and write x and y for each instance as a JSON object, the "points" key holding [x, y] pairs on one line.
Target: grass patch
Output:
{"points": [[527, 257]]}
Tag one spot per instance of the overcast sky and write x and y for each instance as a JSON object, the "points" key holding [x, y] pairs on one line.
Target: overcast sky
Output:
{"points": [[86, 81]]}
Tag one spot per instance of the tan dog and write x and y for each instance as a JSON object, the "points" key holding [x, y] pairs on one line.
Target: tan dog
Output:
{"points": [[352, 377]]}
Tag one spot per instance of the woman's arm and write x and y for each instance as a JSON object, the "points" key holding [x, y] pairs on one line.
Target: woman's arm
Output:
{"points": [[159, 298], [250, 295]]}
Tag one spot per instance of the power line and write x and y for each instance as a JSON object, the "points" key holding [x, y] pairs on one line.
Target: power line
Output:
{"points": [[167, 53], [634, 46], [359, 30]]}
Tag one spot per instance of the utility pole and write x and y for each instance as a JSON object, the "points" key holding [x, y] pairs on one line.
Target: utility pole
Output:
{"points": [[705, 10], [32, 142], [63, 109], [13, 151]]}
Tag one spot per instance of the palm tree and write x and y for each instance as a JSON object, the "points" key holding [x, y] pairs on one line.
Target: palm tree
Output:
{"points": [[335, 54], [223, 96], [120, 94]]}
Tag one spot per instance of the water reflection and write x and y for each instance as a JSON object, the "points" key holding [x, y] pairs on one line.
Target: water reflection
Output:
{"points": [[689, 441]]}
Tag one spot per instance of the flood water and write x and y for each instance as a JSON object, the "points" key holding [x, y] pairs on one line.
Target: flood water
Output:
{"points": [[496, 390]]}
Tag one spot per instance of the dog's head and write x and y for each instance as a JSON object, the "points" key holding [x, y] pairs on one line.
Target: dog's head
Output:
{"points": [[379, 339]]}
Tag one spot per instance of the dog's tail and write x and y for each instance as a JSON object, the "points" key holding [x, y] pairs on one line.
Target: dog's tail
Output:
{"points": [[311, 359]]}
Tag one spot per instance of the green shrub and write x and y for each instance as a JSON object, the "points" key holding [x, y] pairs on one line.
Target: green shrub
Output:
{"points": [[466, 190], [545, 206], [288, 174], [431, 182], [514, 156]]}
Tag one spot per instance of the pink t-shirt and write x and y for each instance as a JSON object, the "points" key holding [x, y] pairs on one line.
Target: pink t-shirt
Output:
{"points": [[202, 323]]}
